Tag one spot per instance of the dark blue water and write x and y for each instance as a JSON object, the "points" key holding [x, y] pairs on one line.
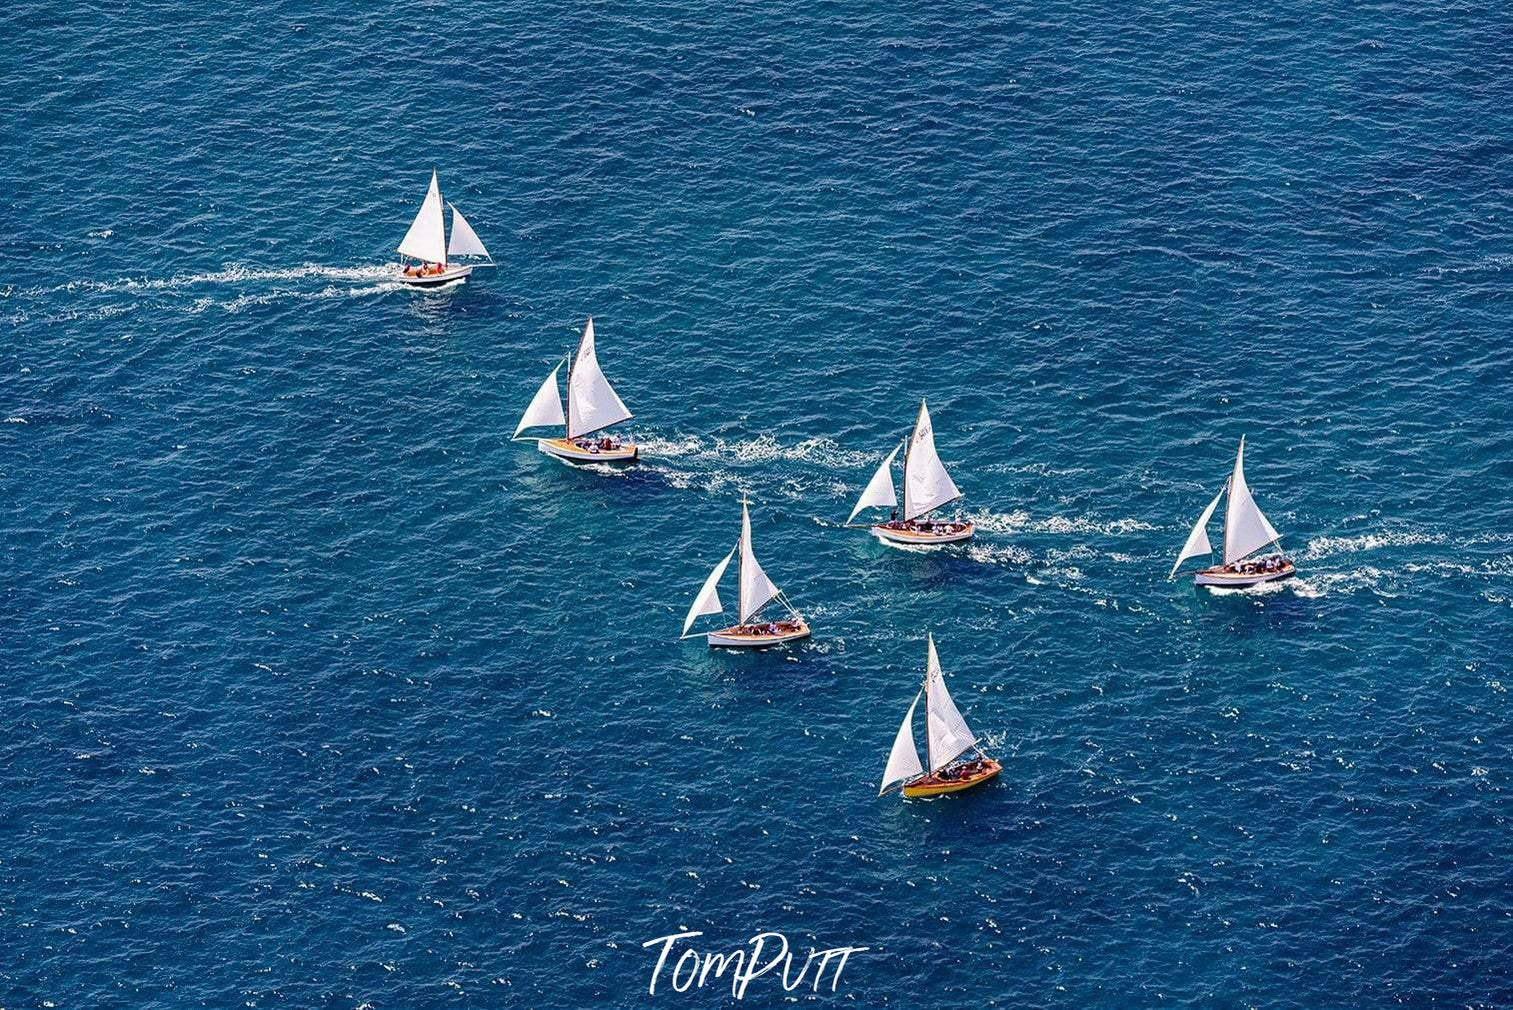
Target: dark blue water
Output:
{"points": [[320, 693]]}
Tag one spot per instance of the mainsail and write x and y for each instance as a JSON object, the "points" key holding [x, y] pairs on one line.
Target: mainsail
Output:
{"points": [[949, 735], [708, 600], [879, 490], [927, 486], [1197, 540], [465, 241], [903, 760], [591, 401], [545, 408], [1245, 528], [757, 589], [427, 238]]}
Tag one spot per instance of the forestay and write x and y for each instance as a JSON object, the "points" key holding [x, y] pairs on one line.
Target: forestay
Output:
{"points": [[1197, 540], [427, 240], [949, 735], [708, 600], [757, 589], [465, 241], [545, 408], [591, 401], [926, 484], [1245, 528], [879, 490], [903, 760]]}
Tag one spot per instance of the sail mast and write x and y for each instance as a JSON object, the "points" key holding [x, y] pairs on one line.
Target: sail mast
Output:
{"points": [[1246, 529], [426, 240], [567, 423], [757, 590], [924, 689], [927, 485], [595, 403]]}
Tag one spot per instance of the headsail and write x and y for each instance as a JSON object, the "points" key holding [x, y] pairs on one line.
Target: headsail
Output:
{"points": [[903, 760], [465, 241], [1245, 528], [757, 589], [879, 490], [708, 600], [591, 401], [427, 238], [545, 408], [1197, 540], [926, 484], [949, 734]]}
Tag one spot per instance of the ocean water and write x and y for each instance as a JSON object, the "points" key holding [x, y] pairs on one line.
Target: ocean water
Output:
{"points": [[319, 692]]}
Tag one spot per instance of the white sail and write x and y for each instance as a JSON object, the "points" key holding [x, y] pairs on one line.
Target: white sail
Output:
{"points": [[545, 408], [879, 490], [949, 735], [465, 241], [1245, 528], [1197, 540], [757, 589], [708, 600], [427, 238], [591, 401], [903, 759], [926, 484]]}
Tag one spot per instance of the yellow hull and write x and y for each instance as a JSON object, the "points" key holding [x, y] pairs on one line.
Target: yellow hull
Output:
{"points": [[568, 451], [932, 786]]}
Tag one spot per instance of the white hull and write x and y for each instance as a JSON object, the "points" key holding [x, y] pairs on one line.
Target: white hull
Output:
{"points": [[736, 638], [567, 451], [447, 276], [1241, 580], [923, 538]]}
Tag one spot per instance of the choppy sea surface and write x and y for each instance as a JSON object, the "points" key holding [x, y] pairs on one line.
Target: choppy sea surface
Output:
{"points": [[318, 692]]}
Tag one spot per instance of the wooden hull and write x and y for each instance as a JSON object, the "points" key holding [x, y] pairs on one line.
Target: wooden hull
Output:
{"points": [[1217, 576], [933, 785], [740, 637], [944, 533], [570, 452], [447, 276]]}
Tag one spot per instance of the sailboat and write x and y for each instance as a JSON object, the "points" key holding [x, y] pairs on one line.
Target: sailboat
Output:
{"points": [[1246, 532], [757, 591], [592, 406], [947, 739], [426, 243], [927, 486]]}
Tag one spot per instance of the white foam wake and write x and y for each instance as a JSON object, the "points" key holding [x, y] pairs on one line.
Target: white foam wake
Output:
{"points": [[232, 273], [1323, 547], [1020, 521], [764, 448]]}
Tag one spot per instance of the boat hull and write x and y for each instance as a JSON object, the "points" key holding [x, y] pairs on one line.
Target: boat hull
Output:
{"points": [[447, 276], [949, 533], [932, 785], [1242, 580], [736, 637], [569, 452]]}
